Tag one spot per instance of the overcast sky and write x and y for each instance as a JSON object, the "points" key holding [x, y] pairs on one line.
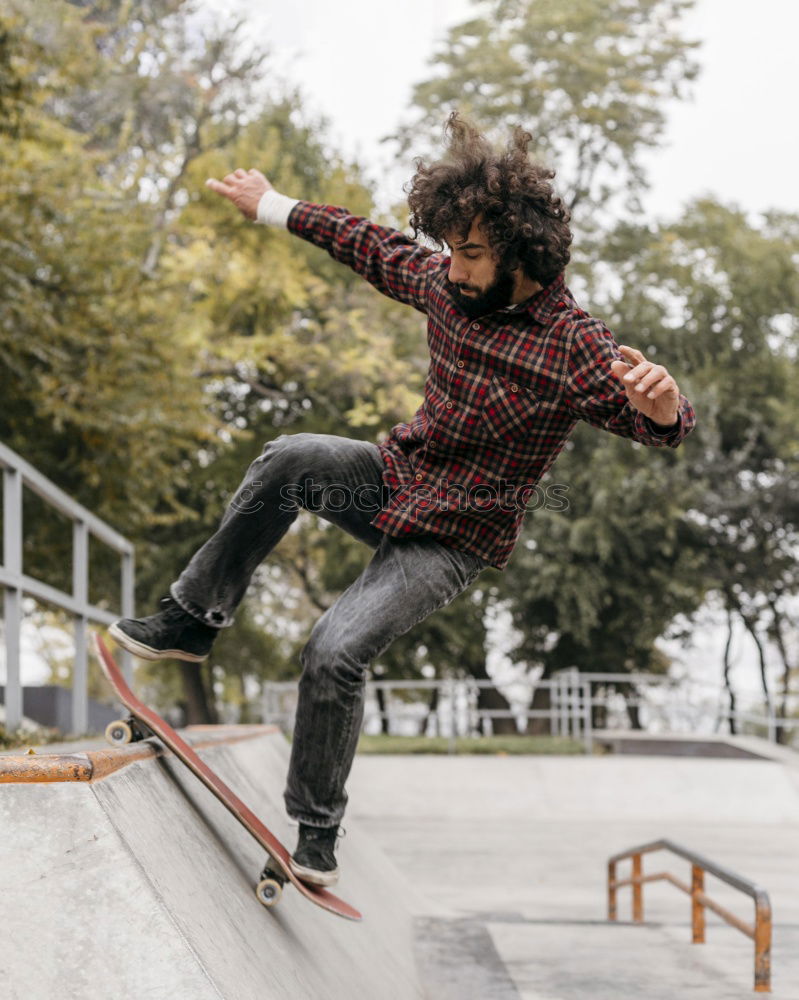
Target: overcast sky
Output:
{"points": [[737, 138]]}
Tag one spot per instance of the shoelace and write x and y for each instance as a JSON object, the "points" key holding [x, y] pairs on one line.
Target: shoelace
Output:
{"points": [[323, 833], [172, 608]]}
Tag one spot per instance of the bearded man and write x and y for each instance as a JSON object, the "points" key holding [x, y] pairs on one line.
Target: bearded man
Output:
{"points": [[514, 364]]}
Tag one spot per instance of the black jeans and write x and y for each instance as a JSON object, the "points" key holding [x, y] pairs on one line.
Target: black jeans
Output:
{"points": [[341, 480]]}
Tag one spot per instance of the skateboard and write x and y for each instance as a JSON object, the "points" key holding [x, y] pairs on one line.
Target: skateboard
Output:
{"points": [[143, 723]]}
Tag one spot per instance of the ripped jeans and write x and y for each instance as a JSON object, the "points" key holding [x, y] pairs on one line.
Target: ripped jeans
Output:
{"points": [[340, 480]]}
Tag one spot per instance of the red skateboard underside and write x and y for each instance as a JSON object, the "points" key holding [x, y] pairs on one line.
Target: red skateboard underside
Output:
{"points": [[278, 853]]}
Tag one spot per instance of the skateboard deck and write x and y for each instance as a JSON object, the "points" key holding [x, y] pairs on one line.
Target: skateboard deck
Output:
{"points": [[277, 872]]}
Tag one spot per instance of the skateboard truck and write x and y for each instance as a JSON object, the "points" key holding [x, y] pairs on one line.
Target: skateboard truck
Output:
{"points": [[270, 885], [129, 730]]}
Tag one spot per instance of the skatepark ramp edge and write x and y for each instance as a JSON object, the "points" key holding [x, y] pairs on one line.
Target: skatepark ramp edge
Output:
{"points": [[137, 879]]}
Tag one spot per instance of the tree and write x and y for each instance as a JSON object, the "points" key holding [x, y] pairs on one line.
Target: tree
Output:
{"points": [[591, 82], [590, 79], [92, 388], [145, 340], [720, 291], [712, 295]]}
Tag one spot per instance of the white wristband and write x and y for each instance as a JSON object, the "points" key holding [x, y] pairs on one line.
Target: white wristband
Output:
{"points": [[273, 208]]}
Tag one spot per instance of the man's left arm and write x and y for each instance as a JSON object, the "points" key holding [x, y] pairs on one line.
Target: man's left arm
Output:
{"points": [[618, 389]]}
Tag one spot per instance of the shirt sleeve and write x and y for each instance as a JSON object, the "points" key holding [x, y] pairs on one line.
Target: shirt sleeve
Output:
{"points": [[388, 259], [594, 394]]}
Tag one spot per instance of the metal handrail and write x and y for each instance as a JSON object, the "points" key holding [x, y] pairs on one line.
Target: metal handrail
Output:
{"points": [[570, 711], [760, 931], [17, 473], [569, 714]]}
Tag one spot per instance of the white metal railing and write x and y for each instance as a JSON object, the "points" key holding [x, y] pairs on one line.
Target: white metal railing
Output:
{"points": [[456, 712], [573, 697], [693, 705], [770, 722], [17, 473]]}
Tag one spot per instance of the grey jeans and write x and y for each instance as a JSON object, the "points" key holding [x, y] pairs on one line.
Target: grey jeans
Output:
{"points": [[340, 480]]}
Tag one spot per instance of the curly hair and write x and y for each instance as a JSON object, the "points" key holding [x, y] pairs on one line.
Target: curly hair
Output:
{"points": [[527, 224]]}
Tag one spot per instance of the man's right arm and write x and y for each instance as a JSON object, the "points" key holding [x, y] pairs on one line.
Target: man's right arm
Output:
{"points": [[388, 259]]}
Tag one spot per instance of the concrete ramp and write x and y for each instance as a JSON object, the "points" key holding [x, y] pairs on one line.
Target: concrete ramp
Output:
{"points": [[121, 875]]}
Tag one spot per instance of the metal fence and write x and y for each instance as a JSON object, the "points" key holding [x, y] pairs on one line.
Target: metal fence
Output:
{"points": [[447, 707], [671, 704], [450, 707], [19, 475]]}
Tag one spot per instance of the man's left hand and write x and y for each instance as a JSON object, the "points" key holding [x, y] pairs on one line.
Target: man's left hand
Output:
{"points": [[649, 387]]}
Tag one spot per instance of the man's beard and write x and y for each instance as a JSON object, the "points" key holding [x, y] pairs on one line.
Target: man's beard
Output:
{"points": [[498, 295]]}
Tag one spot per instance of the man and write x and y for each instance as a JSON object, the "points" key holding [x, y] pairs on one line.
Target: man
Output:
{"points": [[514, 364]]}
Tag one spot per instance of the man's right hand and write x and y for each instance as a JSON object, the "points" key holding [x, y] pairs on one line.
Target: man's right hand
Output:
{"points": [[244, 188]]}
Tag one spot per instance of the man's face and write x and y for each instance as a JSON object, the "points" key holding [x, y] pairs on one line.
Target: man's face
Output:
{"points": [[479, 284]]}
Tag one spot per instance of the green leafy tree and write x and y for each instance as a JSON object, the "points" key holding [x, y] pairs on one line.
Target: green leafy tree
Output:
{"points": [[151, 340], [591, 82], [590, 79], [648, 541]]}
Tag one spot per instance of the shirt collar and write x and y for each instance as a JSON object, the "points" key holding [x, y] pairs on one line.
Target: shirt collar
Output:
{"points": [[540, 306]]}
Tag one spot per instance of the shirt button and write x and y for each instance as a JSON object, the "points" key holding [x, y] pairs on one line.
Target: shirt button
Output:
{"points": [[460, 364], [475, 326], [514, 387], [418, 477], [449, 404], [432, 446]]}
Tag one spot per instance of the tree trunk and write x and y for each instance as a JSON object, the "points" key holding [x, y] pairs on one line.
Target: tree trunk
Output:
{"points": [[633, 711], [489, 699], [749, 621], [380, 694], [785, 686], [599, 707], [199, 708], [492, 700], [432, 709], [542, 701], [245, 710], [733, 724]]}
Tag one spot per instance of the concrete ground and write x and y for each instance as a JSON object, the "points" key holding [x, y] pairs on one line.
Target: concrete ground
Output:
{"points": [[490, 885], [510, 855]]}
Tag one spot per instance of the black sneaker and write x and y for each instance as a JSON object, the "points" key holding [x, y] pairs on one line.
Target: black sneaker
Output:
{"points": [[313, 860], [171, 634]]}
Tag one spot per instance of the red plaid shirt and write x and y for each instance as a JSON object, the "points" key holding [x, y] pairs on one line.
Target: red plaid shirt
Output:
{"points": [[501, 396]]}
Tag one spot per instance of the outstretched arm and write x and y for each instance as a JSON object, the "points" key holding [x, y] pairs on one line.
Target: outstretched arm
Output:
{"points": [[603, 389], [388, 259]]}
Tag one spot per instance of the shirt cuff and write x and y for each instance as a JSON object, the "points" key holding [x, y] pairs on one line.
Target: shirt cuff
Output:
{"points": [[273, 208], [659, 431]]}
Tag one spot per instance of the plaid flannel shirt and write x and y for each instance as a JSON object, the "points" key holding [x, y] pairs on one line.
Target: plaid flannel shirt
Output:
{"points": [[501, 397]]}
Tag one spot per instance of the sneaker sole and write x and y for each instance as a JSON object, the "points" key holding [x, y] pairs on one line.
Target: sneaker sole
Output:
{"points": [[147, 652], [312, 875]]}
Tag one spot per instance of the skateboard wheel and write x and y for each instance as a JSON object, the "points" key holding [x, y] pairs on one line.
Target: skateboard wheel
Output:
{"points": [[269, 891], [118, 733]]}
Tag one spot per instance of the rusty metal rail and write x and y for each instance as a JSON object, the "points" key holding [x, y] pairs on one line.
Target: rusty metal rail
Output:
{"points": [[760, 931]]}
